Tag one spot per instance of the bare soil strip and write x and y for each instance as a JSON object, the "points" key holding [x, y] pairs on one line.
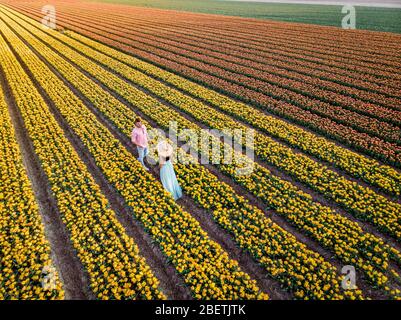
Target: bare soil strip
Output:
{"points": [[172, 48], [134, 33], [72, 274], [317, 197]]}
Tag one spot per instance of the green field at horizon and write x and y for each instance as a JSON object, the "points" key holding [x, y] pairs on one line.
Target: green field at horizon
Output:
{"points": [[368, 18]]}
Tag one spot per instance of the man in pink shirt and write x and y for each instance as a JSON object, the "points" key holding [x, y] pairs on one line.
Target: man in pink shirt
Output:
{"points": [[139, 137]]}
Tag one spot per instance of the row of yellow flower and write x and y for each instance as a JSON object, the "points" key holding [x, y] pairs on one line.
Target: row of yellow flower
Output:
{"points": [[24, 250], [299, 269], [341, 235], [205, 266], [111, 259], [361, 201], [304, 92], [357, 165]]}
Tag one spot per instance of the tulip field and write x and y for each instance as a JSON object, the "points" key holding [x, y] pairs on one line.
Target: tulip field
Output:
{"points": [[80, 218]]}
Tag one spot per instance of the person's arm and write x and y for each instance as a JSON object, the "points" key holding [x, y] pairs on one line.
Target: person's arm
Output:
{"points": [[134, 137], [161, 162], [145, 131]]}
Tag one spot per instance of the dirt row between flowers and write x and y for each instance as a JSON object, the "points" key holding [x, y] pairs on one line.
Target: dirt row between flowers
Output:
{"points": [[251, 198], [264, 111], [342, 128], [297, 67], [381, 150], [265, 31], [321, 32], [321, 199], [170, 282], [264, 55], [74, 279]]}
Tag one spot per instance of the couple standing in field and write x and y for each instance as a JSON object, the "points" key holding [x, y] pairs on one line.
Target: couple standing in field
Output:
{"points": [[139, 137]]}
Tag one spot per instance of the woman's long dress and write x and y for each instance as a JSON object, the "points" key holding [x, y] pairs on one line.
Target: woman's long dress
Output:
{"points": [[169, 180]]}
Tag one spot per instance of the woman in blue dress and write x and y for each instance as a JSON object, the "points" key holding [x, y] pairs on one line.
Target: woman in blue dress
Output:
{"points": [[167, 174]]}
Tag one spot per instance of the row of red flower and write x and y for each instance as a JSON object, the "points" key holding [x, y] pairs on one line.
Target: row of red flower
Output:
{"points": [[281, 86], [306, 101], [372, 54], [380, 149], [265, 52], [365, 93], [279, 58]]}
